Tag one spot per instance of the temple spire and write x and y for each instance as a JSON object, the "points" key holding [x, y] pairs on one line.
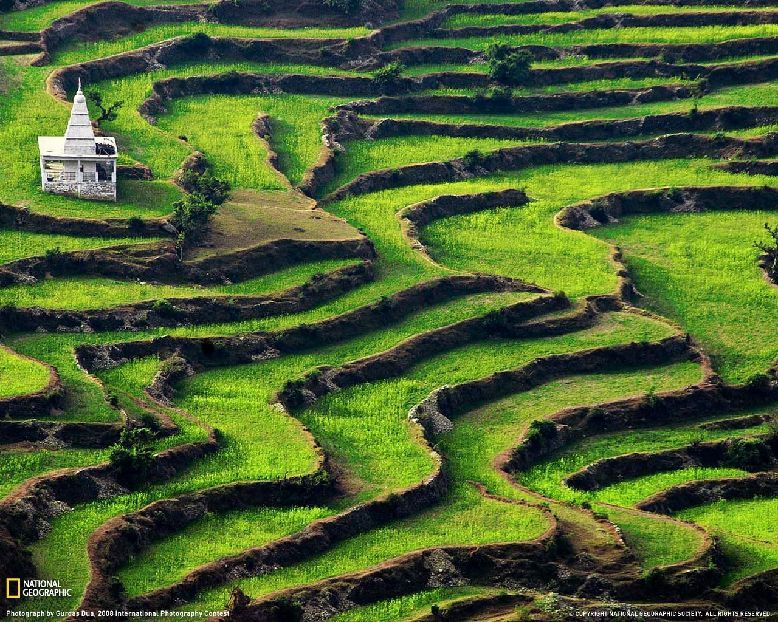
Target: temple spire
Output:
{"points": [[80, 137]]}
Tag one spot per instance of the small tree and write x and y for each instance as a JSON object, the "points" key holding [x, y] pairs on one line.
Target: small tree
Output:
{"points": [[770, 250], [107, 112], [388, 78], [507, 65], [132, 455], [191, 215]]}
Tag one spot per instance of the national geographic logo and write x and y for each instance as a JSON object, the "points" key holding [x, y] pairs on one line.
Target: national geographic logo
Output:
{"points": [[34, 588]]}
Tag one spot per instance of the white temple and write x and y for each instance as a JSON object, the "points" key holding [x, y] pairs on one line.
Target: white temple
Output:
{"points": [[79, 163]]}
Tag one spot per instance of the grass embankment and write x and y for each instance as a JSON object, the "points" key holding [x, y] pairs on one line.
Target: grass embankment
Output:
{"points": [[547, 477], [20, 375], [750, 95], [690, 34], [348, 425], [40, 17], [572, 87], [748, 534], [16, 245], [80, 293], [100, 49], [408, 607], [730, 301], [563, 17], [272, 447], [709, 282]]}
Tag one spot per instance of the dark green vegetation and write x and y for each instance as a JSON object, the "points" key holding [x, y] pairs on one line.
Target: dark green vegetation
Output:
{"points": [[316, 295]]}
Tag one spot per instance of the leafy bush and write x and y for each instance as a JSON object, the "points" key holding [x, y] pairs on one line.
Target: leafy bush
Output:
{"points": [[163, 308], [747, 454], [770, 249], [507, 65], [132, 455], [213, 189], [54, 257], [388, 78], [498, 98], [136, 224], [473, 159]]}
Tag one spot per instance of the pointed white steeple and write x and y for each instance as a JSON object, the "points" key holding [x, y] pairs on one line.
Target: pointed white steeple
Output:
{"points": [[79, 137]]}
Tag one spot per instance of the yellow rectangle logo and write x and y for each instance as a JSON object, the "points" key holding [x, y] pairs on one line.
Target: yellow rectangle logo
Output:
{"points": [[13, 588]]}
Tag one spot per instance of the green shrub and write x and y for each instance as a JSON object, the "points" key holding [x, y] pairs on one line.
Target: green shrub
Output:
{"points": [[163, 308], [54, 257], [132, 455], [745, 453], [213, 189], [473, 159], [770, 250], [388, 78], [136, 224], [507, 65]]}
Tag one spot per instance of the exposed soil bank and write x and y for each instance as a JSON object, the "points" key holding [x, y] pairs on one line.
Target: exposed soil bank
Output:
{"points": [[54, 435], [391, 363], [196, 310], [159, 262], [678, 53], [109, 20], [718, 119], [322, 534], [22, 219], [346, 125], [751, 167], [245, 348], [121, 538], [751, 454], [610, 208], [435, 412], [184, 49], [707, 491], [620, 20], [26, 513], [516, 158]]}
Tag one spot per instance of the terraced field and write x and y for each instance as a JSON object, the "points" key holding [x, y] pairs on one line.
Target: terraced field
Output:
{"points": [[455, 347]]}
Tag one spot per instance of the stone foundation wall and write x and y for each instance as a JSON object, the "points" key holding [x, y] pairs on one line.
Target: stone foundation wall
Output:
{"points": [[99, 190]]}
